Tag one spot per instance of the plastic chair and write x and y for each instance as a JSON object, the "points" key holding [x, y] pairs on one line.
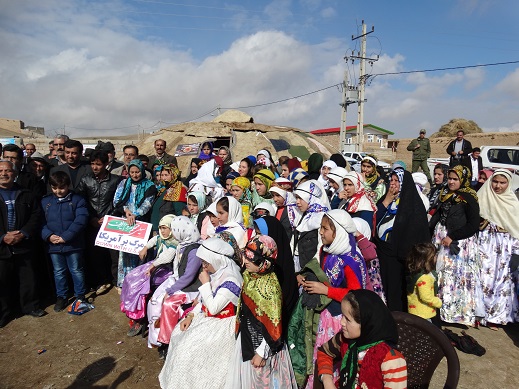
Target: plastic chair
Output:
{"points": [[424, 346]]}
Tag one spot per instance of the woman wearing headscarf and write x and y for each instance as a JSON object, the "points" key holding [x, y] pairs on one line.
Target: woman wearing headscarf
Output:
{"points": [[206, 336], [261, 358], [264, 157], [263, 180], [440, 173], [365, 346], [420, 181], [136, 285], [305, 240], [133, 199], [315, 163], [298, 176], [224, 153], [230, 217], [328, 165], [455, 225], [193, 171], [355, 198], [171, 197], [498, 243], [196, 205], [240, 190], [181, 287], [484, 175], [287, 212], [284, 265], [401, 222], [335, 178], [374, 182], [205, 181], [206, 151]]}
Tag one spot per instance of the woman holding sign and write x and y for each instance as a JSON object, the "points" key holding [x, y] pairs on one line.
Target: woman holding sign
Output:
{"points": [[133, 200]]}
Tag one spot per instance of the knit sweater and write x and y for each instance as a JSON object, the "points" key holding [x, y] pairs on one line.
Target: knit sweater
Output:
{"points": [[422, 301]]}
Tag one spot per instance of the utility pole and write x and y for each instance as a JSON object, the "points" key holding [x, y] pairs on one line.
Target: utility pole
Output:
{"points": [[347, 93], [362, 82]]}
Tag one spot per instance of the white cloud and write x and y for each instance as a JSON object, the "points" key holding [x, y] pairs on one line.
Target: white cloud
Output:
{"points": [[328, 12]]}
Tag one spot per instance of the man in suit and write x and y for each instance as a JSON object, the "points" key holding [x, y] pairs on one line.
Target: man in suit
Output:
{"points": [[474, 163], [161, 157], [458, 149]]}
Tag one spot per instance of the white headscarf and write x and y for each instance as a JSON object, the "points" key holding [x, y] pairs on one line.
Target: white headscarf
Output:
{"points": [[500, 209], [311, 192], [186, 233], [219, 254], [324, 181], [337, 175], [362, 227], [420, 180], [344, 226], [205, 178], [235, 222]]}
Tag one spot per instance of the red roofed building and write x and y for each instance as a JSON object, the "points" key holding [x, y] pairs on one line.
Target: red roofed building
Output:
{"points": [[375, 138]]}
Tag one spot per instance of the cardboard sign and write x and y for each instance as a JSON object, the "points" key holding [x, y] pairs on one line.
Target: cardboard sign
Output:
{"points": [[116, 234]]}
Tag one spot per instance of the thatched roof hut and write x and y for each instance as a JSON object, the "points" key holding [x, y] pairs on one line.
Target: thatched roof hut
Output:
{"points": [[244, 137]]}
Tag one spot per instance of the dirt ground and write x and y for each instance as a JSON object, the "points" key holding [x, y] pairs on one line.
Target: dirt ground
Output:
{"points": [[85, 352]]}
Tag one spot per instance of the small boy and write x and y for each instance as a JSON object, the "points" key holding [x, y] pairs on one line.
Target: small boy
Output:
{"points": [[66, 216]]}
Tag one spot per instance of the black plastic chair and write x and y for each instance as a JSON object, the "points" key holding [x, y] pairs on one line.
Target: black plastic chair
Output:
{"points": [[424, 346]]}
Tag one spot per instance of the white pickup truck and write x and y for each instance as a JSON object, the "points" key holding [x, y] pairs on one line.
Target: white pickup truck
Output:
{"points": [[494, 157], [354, 158]]}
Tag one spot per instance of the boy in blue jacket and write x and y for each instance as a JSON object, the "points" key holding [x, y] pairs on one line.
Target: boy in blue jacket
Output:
{"points": [[66, 216]]}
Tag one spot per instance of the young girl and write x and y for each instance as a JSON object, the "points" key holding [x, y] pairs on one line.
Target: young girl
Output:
{"points": [[240, 190], [263, 179], [201, 342], [365, 345], [422, 281], [261, 357], [375, 185], [230, 218], [344, 268], [305, 239], [196, 205], [136, 284], [206, 151]]}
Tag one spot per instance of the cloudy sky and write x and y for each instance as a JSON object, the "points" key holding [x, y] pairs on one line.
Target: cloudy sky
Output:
{"points": [[123, 66]]}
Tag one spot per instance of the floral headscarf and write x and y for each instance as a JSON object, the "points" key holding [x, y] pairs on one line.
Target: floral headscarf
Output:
{"points": [[243, 183], [459, 195], [174, 189], [360, 201], [261, 251]]}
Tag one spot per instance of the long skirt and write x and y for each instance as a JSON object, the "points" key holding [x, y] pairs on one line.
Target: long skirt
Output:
{"points": [[498, 282], [459, 286], [276, 374], [199, 356]]}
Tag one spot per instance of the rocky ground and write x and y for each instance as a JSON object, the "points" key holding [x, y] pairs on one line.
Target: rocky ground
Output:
{"points": [[93, 351]]}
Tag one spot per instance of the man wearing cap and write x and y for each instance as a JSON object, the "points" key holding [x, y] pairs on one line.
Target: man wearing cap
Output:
{"points": [[161, 157], [421, 148], [39, 166]]}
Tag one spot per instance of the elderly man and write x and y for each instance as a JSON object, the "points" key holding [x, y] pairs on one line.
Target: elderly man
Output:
{"points": [[38, 165], [59, 147], [161, 157], [20, 214]]}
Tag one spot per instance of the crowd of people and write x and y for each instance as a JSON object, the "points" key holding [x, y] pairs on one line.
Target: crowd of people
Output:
{"points": [[258, 270]]}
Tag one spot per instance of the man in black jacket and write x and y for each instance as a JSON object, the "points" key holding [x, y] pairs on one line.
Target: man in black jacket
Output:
{"points": [[474, 163], [98, 187], [20, 214], [458, 149], [14, 154], [74, 167]]}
